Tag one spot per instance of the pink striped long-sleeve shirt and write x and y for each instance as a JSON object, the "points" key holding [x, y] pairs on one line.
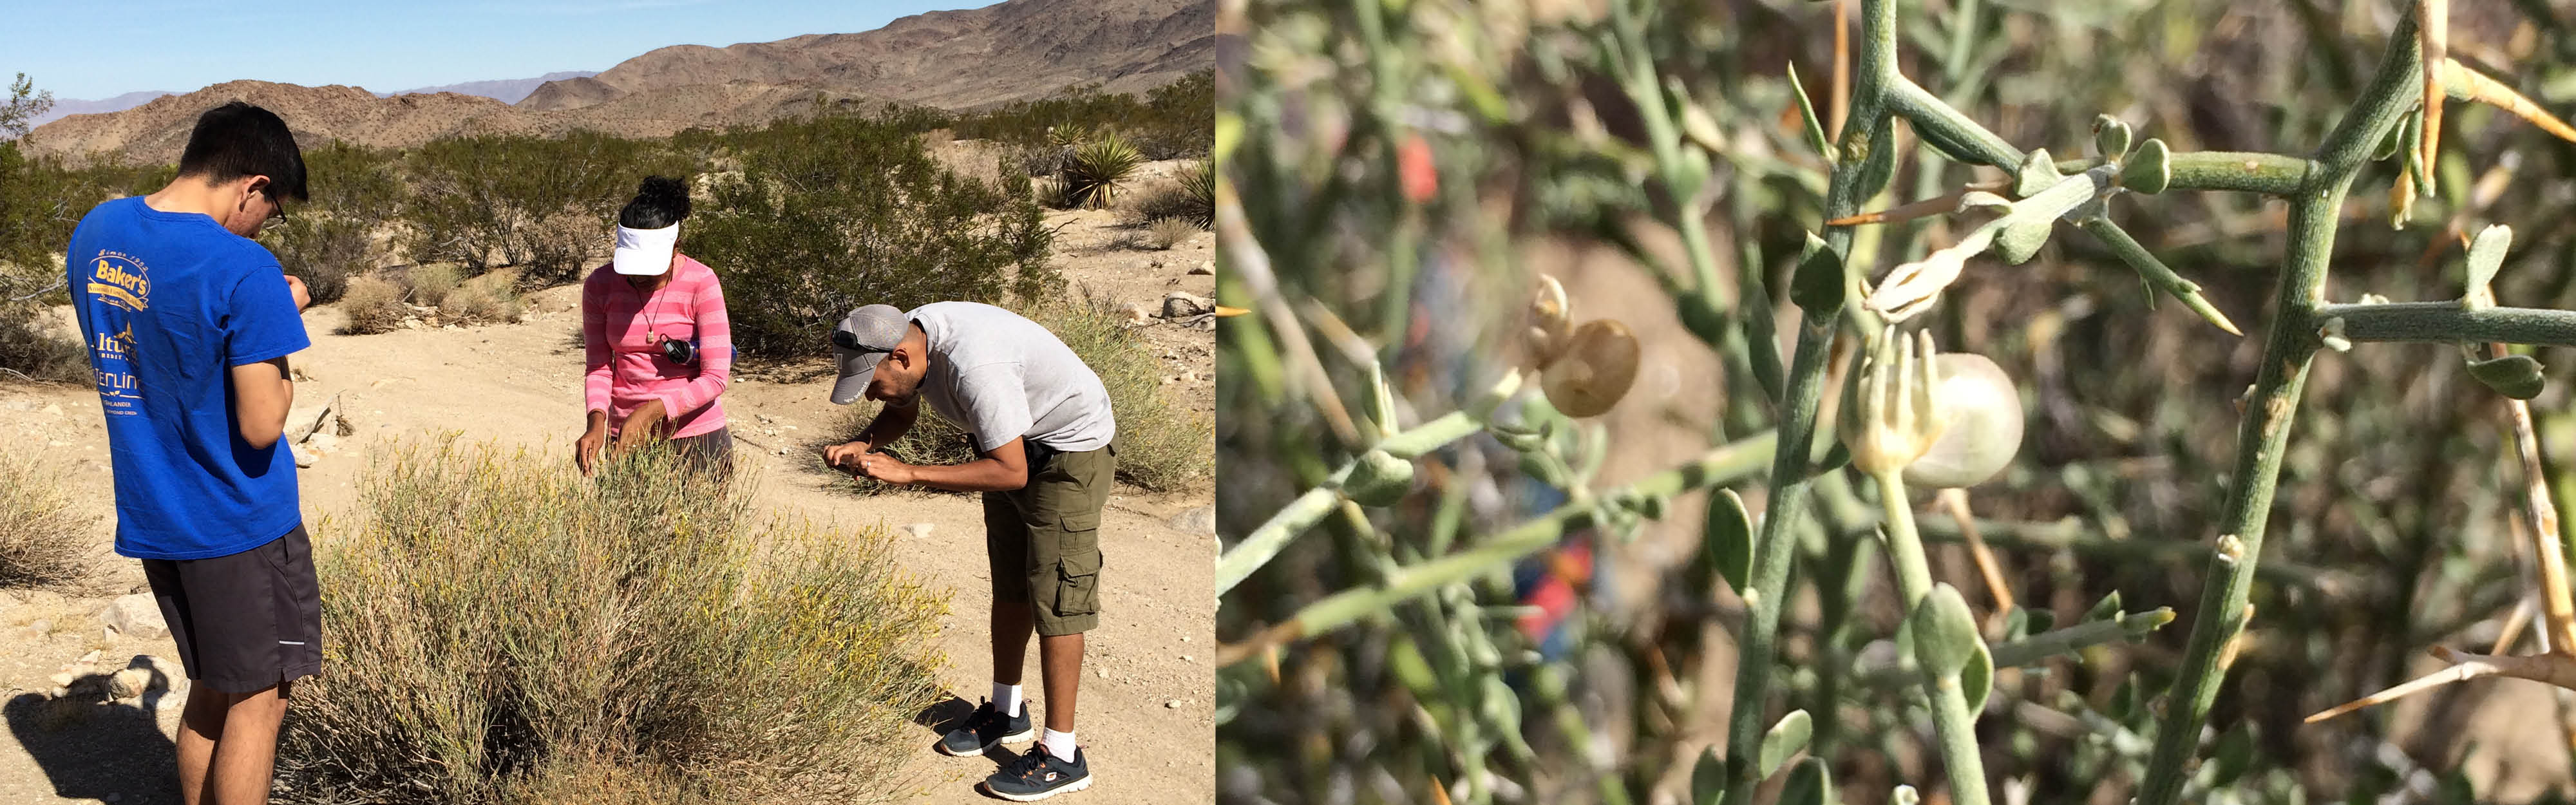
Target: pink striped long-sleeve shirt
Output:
{"points": [[627, 368]]}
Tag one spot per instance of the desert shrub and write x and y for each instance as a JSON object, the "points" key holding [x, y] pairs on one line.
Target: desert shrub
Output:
{"points": [[324, 249], [29, 349], [513, 632], [489, 299], [1174, 121], [1161, 446], [1097, 169], [1190, 197], [833, 213], [540, 204], [40, 529], [1165, 233], [372, 304], [430, 283]]}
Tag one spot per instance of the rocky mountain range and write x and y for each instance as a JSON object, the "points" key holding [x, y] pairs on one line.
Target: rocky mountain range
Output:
{"points": [[959, 60], [509, 90]]}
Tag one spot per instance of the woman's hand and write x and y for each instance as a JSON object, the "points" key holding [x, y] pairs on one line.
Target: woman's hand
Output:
{"points": [[642, 427], [585, 452]]}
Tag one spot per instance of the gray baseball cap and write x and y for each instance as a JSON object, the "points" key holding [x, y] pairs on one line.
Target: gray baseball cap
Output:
{"points": [[862, 339]]}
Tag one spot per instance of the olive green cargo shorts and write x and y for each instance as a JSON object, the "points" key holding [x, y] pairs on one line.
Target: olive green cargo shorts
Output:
{"points": [[1044, 540]]}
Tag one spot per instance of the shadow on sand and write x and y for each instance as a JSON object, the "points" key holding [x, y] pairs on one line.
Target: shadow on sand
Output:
{"points": [[90, 747]]}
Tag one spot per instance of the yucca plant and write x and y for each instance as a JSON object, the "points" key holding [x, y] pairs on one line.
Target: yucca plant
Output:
{"points": [[1098, 169], [1198, 192]]}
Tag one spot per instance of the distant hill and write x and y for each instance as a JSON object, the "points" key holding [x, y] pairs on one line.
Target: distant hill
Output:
{"points": [[958, 60], [63, 108], [505, 91]]}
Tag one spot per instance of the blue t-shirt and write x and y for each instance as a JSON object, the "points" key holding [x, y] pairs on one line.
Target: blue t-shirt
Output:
{"points": [[168, 303]]}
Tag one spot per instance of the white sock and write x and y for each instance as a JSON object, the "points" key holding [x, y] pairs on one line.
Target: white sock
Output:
{"points": [[1059, 744], [1006, 698]]}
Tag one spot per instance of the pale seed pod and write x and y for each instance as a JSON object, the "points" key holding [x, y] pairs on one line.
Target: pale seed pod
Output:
{"points": [[1594, 370], [1983, 423]]}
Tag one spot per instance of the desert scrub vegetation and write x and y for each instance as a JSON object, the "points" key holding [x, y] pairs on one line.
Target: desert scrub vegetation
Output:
{"points": [[540, 204], [833, 213], [641, 626], [41, 531], [1617, 589], [1168, 122], [372, 304], [1189, 198], [1162, 446]]}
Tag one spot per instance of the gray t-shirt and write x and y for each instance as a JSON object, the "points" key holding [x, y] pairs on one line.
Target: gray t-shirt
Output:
{"points": [[1003, 377]]}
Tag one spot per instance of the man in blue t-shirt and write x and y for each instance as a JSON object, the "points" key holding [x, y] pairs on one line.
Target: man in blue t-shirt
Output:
{"points": [[188, 323]]}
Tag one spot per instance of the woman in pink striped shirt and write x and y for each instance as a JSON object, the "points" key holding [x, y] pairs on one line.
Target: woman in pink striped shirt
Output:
{"points": [[658, 347]]}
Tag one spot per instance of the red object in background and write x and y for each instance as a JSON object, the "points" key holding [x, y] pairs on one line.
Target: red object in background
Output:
{"points": [[1413, 165], [1555, 595]]}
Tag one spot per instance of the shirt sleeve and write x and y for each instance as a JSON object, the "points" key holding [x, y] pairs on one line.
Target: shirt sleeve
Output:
{"points": [[259, 321], [995, 401], [594, 346], [715, 353]]}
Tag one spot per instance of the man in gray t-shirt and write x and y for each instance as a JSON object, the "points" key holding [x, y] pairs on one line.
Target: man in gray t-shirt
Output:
{"points": [[1042, 424]]}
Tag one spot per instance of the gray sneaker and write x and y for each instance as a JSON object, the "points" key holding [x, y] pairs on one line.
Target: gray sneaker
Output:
{"points": [[1039, 775], [986, 729]]}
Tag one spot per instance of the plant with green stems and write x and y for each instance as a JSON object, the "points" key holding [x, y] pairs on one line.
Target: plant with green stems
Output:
{"points": [[1685, 154]]}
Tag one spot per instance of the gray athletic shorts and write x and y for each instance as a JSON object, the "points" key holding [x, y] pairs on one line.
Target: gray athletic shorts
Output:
{"points": [[244, 622]]}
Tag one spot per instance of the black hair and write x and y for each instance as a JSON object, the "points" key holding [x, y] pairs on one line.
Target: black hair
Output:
{"points": [[660, 202], [238, 140]]}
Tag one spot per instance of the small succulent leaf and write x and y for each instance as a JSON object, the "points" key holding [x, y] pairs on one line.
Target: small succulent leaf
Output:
{"points": [[1807, 112], [1501, 707], [1785, 738], [1379, 479], [1708, 779], [2233, 755], [2021, 240], [2149, 169], [2110, 137], [2041, 620], [1818, 286], [1809, 784], [2516, 376], [2124, 701], [1977, 679], [1727, 539], [1945, 634], [2016, 624], [2038, 172], [2486, 255], [1381, 400], [2388, 143], [2105, 609]]}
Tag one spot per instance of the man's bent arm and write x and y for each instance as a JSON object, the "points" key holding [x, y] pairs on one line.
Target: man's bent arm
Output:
{"points": [[1002, 469], [262, 393]]}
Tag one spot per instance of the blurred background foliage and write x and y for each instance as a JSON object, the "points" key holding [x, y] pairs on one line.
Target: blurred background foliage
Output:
{"points": [[1407, 166]]}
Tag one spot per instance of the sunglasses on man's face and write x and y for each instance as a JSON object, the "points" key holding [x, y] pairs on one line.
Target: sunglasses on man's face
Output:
{"points": [[845, 340]]}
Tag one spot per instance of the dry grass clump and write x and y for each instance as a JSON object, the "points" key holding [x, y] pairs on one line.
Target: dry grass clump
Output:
{"points": [[503, 630], [431, 282], [488, 299], [372, 304], [39, 528]]}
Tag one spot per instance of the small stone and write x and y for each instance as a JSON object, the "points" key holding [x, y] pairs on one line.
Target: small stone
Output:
{"points": [[918, 530], [129, 683], [53, 410], [1185, 638], [1174, 704], [303, 458], [88, 659], [1135, 313], [137, 614], [1190, 377], [63, 679], [1197, 521], [1183, 304], [41, 627], [1206, 267], [1188, 658], [786, 427], [323, 443]]}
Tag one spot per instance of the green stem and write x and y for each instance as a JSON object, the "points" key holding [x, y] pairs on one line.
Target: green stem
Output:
{"points": [[2449, 322], [2155, 271], [2239, 171], [2038, 648], [1951, 720], [1717, 467], [1790, 467], [1943, 126], [2268, 410]]}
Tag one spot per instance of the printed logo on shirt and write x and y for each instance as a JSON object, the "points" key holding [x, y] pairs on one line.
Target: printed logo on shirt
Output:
{"points": [[121, 282]]}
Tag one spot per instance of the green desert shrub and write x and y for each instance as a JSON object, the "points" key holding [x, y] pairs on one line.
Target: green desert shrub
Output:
{"points": [[324, 249], [834, 213], [506, 630], [1190, 197], [542, 204], [430, 283], [373, 304], [40, 527]]}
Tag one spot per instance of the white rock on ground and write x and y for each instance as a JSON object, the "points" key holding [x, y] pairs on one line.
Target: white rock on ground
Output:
{"points": [[1197, 521], [918, 530], [138, 615]]}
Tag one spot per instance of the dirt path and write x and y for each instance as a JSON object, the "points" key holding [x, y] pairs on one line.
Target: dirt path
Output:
{"points": [[1147, 705]]}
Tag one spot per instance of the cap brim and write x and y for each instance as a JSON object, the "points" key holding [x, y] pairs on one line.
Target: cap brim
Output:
{"points": [[857, 368], [642, 262]]}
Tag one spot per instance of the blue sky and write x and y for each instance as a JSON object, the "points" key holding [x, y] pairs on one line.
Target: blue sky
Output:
{"points": [[91, 50]]}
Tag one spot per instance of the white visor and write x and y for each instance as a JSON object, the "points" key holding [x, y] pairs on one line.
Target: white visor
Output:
{"points": [[645, 252]]}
